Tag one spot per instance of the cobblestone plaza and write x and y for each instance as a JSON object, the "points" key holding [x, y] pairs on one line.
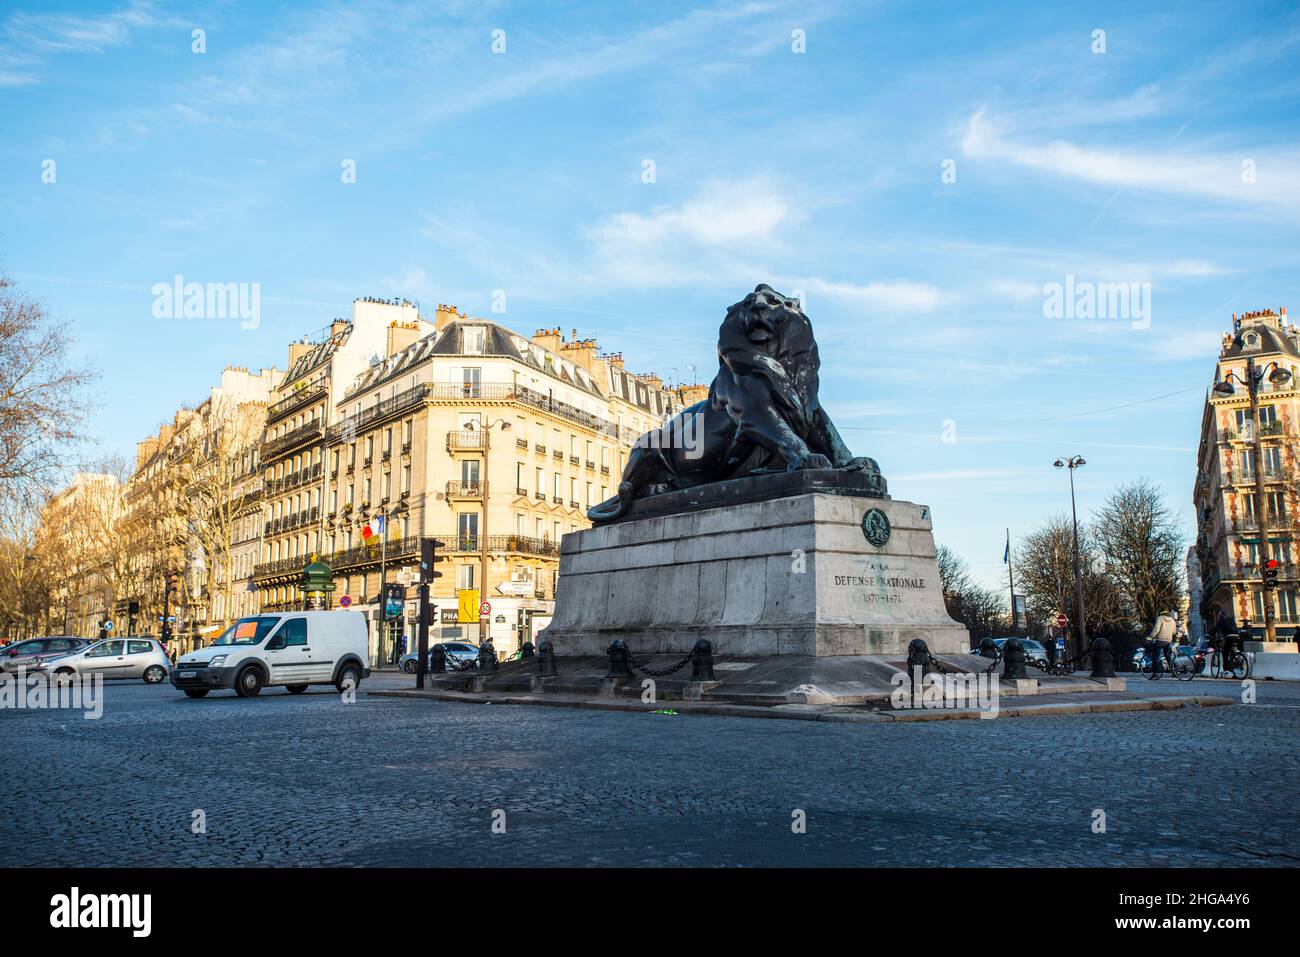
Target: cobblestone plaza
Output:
{"points": [[311, 780]]}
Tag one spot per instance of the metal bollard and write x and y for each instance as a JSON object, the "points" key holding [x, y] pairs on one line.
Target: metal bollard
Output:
{"points": [[1013, 659], [918, 655], [438, 660], [546, 659], [1103, 659], [526, 650], [702, 661], [988, 648], [487, 659], [618, 663]]}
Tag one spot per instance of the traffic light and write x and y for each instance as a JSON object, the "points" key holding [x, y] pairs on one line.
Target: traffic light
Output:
{"points": [[1270, 573], [429, 558]]}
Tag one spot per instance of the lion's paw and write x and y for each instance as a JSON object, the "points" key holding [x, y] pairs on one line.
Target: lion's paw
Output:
{"points": [[813, 460], [862, 464]]}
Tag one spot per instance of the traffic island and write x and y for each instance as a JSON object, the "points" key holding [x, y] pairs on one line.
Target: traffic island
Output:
{"points": [[866, 688]]}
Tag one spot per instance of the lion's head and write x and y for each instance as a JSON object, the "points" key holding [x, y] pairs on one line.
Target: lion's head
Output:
{"points": [[768, 322]]}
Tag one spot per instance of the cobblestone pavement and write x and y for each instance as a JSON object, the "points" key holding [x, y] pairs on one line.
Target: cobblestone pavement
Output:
{"points": [[311, 780]]}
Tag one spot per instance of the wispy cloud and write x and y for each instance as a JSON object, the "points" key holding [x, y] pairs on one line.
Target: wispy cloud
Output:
{"points": [[1266, 176], [29, 40]]}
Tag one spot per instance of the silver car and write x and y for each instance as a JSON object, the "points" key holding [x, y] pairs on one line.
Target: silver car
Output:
{"points": [[460, 656], [28, 654], [114, 658]]}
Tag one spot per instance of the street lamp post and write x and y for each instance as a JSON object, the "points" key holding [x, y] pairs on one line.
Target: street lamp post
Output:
{"points": [[1073, 462], [1278, 376], [484, 621]]}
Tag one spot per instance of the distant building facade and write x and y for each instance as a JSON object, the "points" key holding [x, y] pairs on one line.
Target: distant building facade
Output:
{"points": [[1228, 546]]}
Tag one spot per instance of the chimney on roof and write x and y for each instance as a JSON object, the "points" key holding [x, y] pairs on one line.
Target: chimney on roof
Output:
{"points": [[445, 315], [401, 335], [296, 351], [581, 352], [551, 339], [337, 326]]}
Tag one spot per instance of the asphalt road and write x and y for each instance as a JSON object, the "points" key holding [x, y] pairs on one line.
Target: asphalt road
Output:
{"points": [[312, 780]]}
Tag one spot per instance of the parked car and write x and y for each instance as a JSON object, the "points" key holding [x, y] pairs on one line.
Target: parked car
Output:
{"points": [[28, 654], [460, 655], [291, 649], [1035, 653], [113, 658]]}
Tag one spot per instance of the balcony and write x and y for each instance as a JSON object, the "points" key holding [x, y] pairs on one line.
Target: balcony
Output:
{"points": [[574, 504], [557, 455], [604, 470], [521, 491], [524, 545], [521, 444], [557, 499], [539, 448], [590, 464], [540, 496], [1249, 523], [465, 441], [574, 460], [503, 392], [299, 398], [1251, 570], [381, 410], [274, 448], [464, 490], [1246, 476]]}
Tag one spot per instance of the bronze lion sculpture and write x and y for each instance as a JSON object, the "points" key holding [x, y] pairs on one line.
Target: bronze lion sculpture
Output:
{"points": [[762, 413]]}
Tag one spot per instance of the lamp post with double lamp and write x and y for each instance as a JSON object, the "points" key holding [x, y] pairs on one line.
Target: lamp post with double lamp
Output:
{"points": [[1278, 376], [484, 620], [1073, 462]]}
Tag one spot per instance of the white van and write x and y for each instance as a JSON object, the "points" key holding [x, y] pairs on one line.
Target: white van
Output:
{"points": [[292, 648]]}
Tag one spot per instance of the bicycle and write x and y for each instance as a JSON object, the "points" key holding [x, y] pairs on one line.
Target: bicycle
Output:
{"points": [[1238, 665], [1180, 665]]}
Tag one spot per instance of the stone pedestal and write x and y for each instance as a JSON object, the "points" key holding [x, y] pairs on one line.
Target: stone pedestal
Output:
{"points": [[792, 575]]}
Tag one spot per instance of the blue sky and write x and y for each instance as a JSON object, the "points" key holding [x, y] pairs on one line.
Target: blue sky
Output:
{"points": [[818, 171]]}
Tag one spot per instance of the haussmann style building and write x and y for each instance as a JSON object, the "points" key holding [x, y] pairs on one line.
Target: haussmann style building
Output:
{"points": [[1229, 549]]}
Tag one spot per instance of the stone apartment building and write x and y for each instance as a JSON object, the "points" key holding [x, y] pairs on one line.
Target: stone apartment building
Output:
{"points": [[1228, 546], [78, 522], [217, 445], [492, 442]]}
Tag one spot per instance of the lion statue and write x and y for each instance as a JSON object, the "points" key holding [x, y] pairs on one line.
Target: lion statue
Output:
{"points": [[762, 413]]}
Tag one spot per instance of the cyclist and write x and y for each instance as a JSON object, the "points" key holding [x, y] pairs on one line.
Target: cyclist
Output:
{"points": [[1164, 631], [1225, 630]]}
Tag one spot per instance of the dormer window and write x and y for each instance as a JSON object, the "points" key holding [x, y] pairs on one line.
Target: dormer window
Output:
{"points": [[1252, 341], [472, 340]]}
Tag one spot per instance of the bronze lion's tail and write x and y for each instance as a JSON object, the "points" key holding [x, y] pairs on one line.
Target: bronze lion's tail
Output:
{"points": [[615, 507]]}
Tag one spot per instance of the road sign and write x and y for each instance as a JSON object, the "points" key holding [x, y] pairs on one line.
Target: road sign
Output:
{"points": [[1061, 621], [345, 601], [485, 608], [108, 626]]}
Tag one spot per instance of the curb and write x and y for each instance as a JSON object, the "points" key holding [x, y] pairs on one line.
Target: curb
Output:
{"points": [[803, 712]]}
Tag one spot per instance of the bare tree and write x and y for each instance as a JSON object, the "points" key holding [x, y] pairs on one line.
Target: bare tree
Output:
{"points": [[980, 609], [1144, 550], [42, 400], [214, 474]]}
